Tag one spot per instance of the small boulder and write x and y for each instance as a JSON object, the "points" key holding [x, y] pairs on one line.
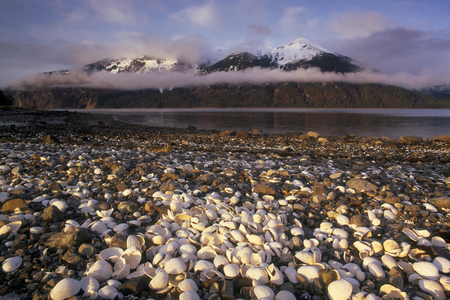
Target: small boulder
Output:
{"points": [[360, 185], [11, 205]]}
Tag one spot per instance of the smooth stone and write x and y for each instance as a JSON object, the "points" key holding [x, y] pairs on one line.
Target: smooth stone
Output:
{"points": [[265, 188], [360, 185], [128, 206], [11, 205], [359, 220], [441, 202]]}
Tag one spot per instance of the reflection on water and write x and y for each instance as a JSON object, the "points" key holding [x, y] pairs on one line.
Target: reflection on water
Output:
{"points": [[391, 123]]}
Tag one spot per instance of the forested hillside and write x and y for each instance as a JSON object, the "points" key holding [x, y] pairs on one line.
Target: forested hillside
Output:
{"points": [[313, 95]]}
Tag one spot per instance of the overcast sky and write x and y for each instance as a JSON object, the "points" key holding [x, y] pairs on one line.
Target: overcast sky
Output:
{"points": [[393, 36]]}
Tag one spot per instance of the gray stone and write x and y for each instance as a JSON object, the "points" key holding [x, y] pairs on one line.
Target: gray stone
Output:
{"points": [[52, 214], [227, 292], [170, 185]]}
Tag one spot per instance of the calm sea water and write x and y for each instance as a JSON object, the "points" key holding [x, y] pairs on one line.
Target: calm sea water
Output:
{"points": [[391, 123]]}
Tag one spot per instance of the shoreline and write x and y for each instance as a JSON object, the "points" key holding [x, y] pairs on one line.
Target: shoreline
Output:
{"points": [[116, 181]]}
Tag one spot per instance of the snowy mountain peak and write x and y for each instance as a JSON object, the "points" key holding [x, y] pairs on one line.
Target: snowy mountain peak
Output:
{"points": [[300, 49]]}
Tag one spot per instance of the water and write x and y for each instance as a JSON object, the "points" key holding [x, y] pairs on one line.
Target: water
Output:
{"points": [[391, 123]]}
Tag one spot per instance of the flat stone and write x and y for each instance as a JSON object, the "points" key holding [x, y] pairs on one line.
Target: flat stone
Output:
{"points": [[411, 139], [72, 259], [442, 137], [170, 185], [392, 199], [441, 202], [360, 185], [11, 205], [265, 188], [241, 135], [74, 237]]}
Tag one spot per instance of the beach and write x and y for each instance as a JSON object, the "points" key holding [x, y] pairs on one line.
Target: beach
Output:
{"points": [[208, 214]]}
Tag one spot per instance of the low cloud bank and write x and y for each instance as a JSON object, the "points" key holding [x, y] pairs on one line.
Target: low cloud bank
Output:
{"points": [[167, 80]]}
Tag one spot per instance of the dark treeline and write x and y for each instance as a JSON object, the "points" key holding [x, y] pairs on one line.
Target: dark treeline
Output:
{"points": [[301, 95]]}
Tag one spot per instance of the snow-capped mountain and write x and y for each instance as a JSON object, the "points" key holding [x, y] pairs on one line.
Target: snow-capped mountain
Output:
{"points": [[441, 91], [299, 54], [141, 65], [300, 49]]}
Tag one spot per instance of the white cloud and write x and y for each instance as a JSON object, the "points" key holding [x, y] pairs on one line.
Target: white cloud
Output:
{"points": [[290, 17], [115, 11], [203, 15], [355, 24]]}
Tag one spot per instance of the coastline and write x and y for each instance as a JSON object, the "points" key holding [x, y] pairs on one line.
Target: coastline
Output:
{"points": [[320, 181]]}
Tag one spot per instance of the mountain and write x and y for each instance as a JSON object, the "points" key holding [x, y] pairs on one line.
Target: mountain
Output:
{"points": [[304, 95], [441, 91], [299, 54], [144, 64]]}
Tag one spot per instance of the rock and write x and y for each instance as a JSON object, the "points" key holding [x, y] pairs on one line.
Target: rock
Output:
{"points": [[74, 237], [313, 134], [170, 185], [256, 131], [50, 139], [134, 286], [360, 185], [265, 188], [305, 137], [52, 214], [328, 276], [319, 189], [443, 137], [396, 278], [226, 133], [441, 202], [392, 199], [411, 139], [241, 135], [322, 140], [359, 220], [87, 250], [129, 207], [227, 292], [11, 205], [119, 171], [72, 259]]}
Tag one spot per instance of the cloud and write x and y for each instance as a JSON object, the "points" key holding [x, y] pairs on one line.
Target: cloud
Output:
{"points": [[115, 11], [258, 30], [355, 24], [290, 16], [167, 80], [204, 15], [394, 49]]}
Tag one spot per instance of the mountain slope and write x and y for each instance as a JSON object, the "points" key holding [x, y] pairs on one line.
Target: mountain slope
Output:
{"points": [[299, 95], [141, 65], [296, 55]]}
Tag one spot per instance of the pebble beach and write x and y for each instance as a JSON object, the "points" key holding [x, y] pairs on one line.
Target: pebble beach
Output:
{"points": [[92, 208]]}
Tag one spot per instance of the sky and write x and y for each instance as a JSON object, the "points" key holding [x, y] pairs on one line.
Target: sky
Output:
{"points": [[407, 40]]}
